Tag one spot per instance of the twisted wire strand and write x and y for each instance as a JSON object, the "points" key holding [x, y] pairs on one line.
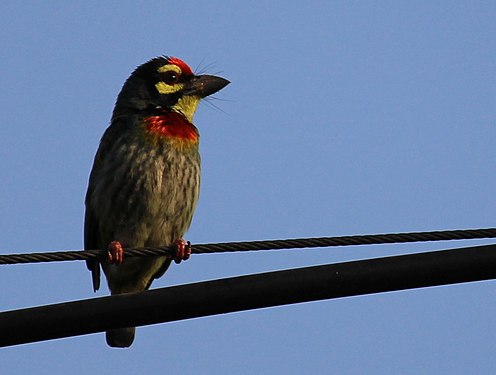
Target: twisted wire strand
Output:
{"points": [[223, 247]]}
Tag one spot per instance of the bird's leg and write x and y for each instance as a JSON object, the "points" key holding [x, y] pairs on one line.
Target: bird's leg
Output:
{"points": [[183, 250], [115, 252]]}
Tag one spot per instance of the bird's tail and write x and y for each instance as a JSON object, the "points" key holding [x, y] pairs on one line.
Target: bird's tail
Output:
{"points": [[120, 337]]}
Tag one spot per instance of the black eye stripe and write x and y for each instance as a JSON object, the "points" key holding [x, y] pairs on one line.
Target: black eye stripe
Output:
{"points": [[170, 77]]}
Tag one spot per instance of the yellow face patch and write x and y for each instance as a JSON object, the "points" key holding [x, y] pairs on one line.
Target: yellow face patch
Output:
{"points": [[164, 88], [169, 87], [171, 74]]}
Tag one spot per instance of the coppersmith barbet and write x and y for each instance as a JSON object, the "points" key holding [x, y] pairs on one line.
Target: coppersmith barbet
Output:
{"points": [[145, 180]]}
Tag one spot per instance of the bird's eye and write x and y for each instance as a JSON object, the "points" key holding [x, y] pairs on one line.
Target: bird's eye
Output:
{"points": [[170, 77]]}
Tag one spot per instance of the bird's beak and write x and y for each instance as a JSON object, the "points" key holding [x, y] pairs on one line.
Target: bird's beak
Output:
{"points": [[204, 85]]}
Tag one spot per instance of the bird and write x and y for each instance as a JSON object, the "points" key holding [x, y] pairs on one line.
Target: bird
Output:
{"points": [[144, 184]]}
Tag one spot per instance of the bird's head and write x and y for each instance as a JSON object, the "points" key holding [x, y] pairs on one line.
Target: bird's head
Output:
{"points": [[166, 84]]}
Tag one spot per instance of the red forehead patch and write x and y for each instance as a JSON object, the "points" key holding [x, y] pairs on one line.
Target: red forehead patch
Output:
{"points": [[181, 64]]}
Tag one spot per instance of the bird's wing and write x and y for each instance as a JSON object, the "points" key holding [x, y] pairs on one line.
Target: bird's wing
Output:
{"points": [[92, 238], [91, 242]]}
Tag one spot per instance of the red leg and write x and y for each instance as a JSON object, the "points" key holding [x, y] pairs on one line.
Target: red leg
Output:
{"points": [[115, 252], [183, 250]]}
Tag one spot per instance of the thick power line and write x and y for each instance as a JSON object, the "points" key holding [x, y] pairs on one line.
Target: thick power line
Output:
{"points": [[247, 293]]}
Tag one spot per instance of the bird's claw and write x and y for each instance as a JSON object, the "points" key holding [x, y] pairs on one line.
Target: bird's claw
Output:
{"points": [[115, 252], [183, 250]]}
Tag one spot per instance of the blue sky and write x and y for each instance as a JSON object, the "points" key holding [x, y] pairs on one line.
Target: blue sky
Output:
{"points": [[342, 118]]}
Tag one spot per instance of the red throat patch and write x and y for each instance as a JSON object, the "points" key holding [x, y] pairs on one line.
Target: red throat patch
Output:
{"points": [[173, 127]]}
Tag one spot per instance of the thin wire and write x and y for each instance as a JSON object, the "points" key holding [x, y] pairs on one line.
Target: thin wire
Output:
{"points": [[224, 247]]}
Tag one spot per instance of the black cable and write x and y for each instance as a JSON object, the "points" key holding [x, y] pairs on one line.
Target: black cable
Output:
{"points": [[298, 243], [247, 293]]}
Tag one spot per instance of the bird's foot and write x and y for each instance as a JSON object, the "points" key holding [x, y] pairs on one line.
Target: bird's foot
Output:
{"points": [[115, 252], [183, 250]]}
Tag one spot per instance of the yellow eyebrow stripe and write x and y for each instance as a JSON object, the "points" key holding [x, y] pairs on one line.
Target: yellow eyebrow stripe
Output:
{"points": [[168, 68]]}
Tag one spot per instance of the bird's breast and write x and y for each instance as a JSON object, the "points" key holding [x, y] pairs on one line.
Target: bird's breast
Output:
{"points": [[146, 194]]}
